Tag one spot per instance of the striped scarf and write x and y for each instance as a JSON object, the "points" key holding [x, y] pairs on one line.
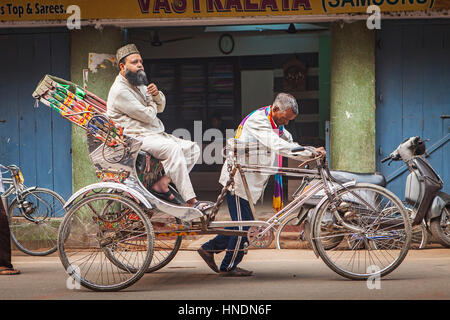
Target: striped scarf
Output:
{"points": [[278, 187]]}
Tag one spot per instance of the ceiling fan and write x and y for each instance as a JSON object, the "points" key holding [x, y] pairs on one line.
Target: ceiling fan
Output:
{"points": [[157, 42]]}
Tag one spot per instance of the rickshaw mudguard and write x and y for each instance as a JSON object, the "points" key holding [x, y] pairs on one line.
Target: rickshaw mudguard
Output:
{"points": [[109, 185], [319, 205], [151, 202]]}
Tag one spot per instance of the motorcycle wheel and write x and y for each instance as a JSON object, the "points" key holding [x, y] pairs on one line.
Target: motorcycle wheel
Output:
{"points": [[440, 232]]}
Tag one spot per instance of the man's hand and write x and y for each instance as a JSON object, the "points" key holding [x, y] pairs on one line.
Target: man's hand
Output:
{"points": [[152, 89], [321, 151]]}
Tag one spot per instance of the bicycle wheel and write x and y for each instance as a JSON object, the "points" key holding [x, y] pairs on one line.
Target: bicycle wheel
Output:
{"points": [[37, 235], [419, 233], [419, 238], [440, 228], [167, 243], [380, 244], [98, 226], [329, 242]]}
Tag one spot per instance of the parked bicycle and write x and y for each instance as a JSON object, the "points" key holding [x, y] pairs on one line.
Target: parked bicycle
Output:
{"points": [[34, 214]]}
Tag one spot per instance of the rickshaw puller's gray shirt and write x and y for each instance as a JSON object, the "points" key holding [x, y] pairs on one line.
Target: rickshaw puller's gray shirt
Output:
{"points": [[135, 109]]}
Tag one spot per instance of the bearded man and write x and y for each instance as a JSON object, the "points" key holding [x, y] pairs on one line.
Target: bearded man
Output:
{"points": [[134, 104]]}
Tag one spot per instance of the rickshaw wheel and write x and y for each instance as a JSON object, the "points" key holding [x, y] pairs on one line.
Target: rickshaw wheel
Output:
{"points": [[167, 243], [99, 227], [383, 242]]}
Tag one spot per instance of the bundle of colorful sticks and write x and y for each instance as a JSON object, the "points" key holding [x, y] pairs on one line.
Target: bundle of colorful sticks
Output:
{"points": [[79, 106]]}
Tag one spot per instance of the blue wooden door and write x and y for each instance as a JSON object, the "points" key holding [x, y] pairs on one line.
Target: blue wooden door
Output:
{"points": [[413, 94], [36, 139]]}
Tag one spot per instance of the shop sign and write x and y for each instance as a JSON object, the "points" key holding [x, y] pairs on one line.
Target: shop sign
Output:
{"points": [[22, 10]]}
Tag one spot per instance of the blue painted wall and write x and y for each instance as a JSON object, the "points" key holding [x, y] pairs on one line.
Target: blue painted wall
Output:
{"points": [[36, 139], [413, 92]]}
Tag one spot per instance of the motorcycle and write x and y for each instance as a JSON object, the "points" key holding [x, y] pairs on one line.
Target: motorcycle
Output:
{"points": [[428, 204]]}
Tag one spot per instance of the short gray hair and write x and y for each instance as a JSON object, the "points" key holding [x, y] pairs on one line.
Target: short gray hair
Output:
{"points": [[286, 101]]}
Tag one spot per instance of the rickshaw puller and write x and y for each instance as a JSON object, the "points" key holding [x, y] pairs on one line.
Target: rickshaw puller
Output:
{"points": [[266, 127]]}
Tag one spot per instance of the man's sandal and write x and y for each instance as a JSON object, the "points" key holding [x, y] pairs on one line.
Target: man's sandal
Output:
{"points": [[8, 271], [166, 196]]}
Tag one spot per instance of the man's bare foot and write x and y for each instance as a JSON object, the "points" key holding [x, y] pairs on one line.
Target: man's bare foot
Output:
{"points": [[8, 271], [162, 186], [191, 202]]}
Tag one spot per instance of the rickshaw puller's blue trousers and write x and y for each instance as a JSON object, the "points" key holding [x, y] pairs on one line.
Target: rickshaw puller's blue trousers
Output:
{"points": [[239, 211]]}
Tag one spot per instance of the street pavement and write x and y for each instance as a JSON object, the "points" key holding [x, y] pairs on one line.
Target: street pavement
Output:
{"points": [[285, 274]]}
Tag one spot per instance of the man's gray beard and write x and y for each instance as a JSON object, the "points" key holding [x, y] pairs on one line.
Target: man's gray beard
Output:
{"points": [[138, 78]]}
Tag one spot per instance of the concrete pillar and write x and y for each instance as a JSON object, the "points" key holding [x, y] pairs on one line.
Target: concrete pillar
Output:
{"points": [[85, 41], [352, 97], [324, 82]]}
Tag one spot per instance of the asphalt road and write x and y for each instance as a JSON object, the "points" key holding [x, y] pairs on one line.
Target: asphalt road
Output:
{"points": [[287, 274]]}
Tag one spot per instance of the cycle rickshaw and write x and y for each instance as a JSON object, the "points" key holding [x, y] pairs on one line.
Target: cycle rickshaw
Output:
{"points": [[116, 230]]}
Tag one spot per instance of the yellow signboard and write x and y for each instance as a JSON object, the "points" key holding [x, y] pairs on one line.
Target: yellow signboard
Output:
{"points": [[22, 10]]}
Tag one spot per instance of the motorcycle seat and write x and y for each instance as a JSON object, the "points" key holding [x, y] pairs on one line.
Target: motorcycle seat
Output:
{"points": [[346, 176]]}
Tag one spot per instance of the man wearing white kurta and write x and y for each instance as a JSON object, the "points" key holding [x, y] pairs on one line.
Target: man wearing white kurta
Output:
{"points": [[264, 126], [134, 105]]}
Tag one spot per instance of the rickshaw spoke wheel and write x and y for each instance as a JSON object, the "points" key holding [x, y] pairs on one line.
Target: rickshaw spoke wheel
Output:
{"points": [[167, 241], [106, 242], [380, 241]]}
